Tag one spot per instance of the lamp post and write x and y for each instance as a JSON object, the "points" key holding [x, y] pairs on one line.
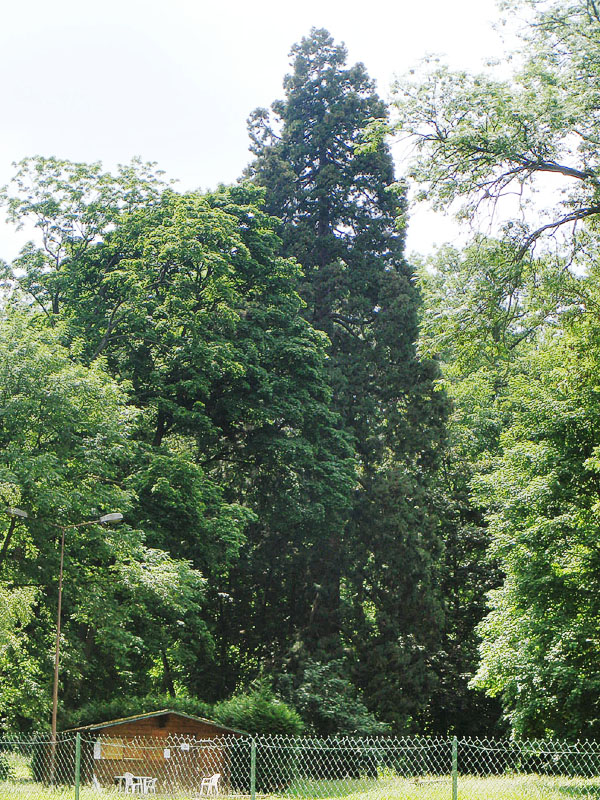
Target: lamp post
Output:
{"points": [[103, 520]]}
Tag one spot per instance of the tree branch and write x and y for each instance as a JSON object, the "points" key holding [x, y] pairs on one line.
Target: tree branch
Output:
{"points": [[574, 216]]}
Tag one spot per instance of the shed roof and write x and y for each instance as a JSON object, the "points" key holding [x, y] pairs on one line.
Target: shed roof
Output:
{"points": [[136, 717]]}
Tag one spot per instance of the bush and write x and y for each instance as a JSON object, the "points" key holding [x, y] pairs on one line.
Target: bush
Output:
{"points": [[260, 713], [327, 700], [7, 771], [130, 706]]}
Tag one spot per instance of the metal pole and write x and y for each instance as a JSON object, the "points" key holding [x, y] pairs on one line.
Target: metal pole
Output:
{"points": [[56, 660], [104, 520], [253, 770], [454, 768], [77, 764]]}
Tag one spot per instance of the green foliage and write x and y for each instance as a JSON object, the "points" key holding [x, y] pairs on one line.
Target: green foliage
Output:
{"points": [[231, 462], [516, 335], [328, 702], [478, 139], [512, 335], [119, 707], [482, 303], [16, 610], [67, 447], [7, 771], [344, 224], [540, 639], [73, 206], [258, 712]]}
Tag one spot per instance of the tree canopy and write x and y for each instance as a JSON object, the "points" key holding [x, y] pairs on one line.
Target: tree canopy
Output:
{"points": [[344, 222], [512, 320], [478, 140], [183, 300], [360, 495]]}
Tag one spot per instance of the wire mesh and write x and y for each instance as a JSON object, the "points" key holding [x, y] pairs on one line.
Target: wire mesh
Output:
{"points": [[37, 767], [536, 769], [176, 767], [354, 768], [172, 766]]}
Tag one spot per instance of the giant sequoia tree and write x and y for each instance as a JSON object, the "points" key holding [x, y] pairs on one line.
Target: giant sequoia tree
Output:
{"points": [[343, 220]]}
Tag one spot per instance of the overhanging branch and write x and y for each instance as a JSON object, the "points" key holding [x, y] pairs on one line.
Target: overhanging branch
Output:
{"points": [[574, 216]]}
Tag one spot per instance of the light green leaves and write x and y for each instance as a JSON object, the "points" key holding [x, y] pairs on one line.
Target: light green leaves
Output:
{"points": [[486, 143]]}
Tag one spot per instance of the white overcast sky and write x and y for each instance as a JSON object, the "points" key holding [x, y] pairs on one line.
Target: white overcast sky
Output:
{"points": [[173, 81]]}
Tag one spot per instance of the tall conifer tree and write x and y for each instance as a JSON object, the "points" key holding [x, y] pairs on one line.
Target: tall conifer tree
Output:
{"points": [[374, 588]]}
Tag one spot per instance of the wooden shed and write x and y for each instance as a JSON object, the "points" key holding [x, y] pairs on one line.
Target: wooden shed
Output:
{"points": [[168, 750]]}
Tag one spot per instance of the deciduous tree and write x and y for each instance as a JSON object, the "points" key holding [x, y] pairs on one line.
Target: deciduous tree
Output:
{"points": [[239, 465]]}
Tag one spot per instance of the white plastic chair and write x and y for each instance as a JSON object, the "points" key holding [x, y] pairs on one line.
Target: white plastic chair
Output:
{"points": [[150, 786], [210, 784], [132, 784]]}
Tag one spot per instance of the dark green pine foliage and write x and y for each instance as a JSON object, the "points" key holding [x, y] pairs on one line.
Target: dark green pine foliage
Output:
{"points": [[374, 586]]}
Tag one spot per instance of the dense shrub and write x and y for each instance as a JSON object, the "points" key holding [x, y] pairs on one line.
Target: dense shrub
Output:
{"points": [[6, 768], [120, 707], [261, 713], [258, 712], [327, 700]]}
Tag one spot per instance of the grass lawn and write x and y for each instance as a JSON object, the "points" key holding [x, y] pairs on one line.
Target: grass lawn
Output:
{"points": [[35, 791], [510, 787]]}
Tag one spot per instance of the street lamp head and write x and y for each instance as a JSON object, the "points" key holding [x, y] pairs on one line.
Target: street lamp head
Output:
{"points": [[108, 518], [16, 512]]}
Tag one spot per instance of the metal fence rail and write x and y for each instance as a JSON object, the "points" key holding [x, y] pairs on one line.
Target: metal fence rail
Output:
{"points": [[86, 766]]}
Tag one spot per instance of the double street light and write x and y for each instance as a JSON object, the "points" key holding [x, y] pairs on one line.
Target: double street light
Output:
{"points": [[16, 514]]}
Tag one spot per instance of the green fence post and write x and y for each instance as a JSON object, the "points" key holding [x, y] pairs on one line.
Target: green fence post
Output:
{"points": [[253, 770], [454, 768], [77, 764]]}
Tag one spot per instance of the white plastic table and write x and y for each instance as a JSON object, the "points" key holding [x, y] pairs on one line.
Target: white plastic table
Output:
{"points": [[145, 779]]}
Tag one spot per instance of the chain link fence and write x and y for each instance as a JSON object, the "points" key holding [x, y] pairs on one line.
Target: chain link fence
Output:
{"points": [[36, 767], [85, 766]]}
